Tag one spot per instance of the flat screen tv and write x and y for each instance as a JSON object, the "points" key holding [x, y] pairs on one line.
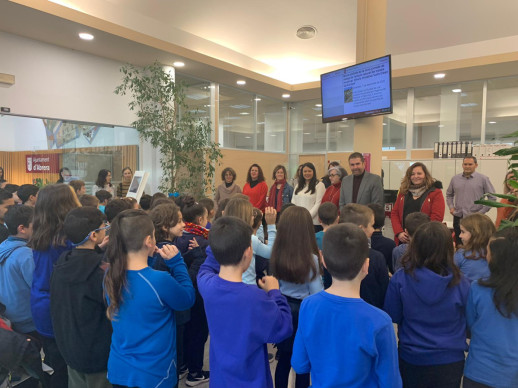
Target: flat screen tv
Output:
{"points": [[361, 90]]}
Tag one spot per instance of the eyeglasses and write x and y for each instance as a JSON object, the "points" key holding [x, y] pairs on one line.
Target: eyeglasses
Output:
{"points": [[106, 227], [333, 175]]}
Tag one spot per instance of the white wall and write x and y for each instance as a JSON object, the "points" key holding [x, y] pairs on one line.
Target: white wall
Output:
{"points": [[54, 82]]}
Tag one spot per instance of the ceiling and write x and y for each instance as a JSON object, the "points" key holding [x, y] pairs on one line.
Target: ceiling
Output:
{"points": [[256, 40]]}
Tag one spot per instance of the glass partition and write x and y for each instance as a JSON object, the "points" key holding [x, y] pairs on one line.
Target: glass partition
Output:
{"points": [[502, 109]]}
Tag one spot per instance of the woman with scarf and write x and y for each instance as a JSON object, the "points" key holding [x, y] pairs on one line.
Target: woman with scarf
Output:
{"points": [[256, 188], [332, 193], [228, 188], [417, 193], [281, 191]]}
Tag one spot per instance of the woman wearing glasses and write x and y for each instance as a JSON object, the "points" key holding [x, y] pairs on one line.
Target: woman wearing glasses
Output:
{"points": [[332, 194]]}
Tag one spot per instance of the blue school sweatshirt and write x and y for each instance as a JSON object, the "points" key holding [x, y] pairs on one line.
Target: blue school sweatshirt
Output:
{"points": [[493, 354], [473, 269], [242, 320], [143, 349], [345, 342], [430, 315]]}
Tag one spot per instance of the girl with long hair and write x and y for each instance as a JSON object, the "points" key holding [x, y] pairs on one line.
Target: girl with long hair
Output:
{"points": [[295, 263], [256, 188], [309, 192], [48, 242], [475, 232], [492, 315], [2, 176], [127, 176], [103, 182], [64, 175], [416, 194], [228, 187], [280, 191], [504, 213], [141, 303], [427, 300]]}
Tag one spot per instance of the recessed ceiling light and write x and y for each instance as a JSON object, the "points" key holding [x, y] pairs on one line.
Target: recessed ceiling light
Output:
{"points": [[244, 113], [257, 99], [439, 76], [320, 115], [248, 137], [241, 82], [492, 122], [384, 123], [441, 125], [286, 95], [319, 105], [338, 131], [456, 90], [178, 64], [86, 36], [273, 135], [306, 32], [307, 133]]}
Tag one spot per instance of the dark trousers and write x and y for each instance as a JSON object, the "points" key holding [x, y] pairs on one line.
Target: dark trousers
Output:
{"points": [[468, 383], [196, 334], [456, 228], [53, 358], [285, 350], [431, 376]]}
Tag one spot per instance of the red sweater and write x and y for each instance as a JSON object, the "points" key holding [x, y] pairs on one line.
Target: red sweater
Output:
{"points": [[257, 195], [332, 194], [433, 205]]}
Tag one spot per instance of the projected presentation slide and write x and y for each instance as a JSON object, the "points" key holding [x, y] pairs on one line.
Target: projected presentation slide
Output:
{"points": [[357, 91]]}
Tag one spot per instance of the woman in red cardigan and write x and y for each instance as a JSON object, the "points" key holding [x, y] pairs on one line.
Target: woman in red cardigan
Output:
{"points": [[416, 194], [255, 187], [332, 194]]}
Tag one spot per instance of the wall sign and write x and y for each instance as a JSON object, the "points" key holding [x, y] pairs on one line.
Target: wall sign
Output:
{"points": [[42, 163]]}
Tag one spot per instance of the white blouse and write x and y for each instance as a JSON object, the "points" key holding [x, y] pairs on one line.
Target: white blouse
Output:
{"points": [[310, 201]]}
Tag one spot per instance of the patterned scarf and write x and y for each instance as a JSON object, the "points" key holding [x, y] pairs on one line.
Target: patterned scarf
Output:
{"points": [[417, 190], [197, 230], [271, 196]]}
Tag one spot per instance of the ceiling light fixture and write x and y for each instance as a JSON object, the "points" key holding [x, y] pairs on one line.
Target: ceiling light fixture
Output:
{"points": [[178, 64], [492, 122], [257, 99], [86, 36], [456, 90], [286, 95], [439, 76], [306, 32], [318, 105], [241, 82]]}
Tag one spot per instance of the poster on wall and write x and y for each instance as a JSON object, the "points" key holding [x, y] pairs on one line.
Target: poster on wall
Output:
{"points": [[136, 188], [42, 163]]}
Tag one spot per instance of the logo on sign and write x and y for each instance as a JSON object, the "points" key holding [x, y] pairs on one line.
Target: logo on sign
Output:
{"points": [[29, 163]]}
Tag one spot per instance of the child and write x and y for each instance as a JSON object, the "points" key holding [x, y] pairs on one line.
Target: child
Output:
{"points": [[28, 194], [141, 302], [492, 316], [16, 269], [412, 222], [378, 241], [104, 197], [475, 232], [82, 330], [427, 300], [242, 318], [6, 200], [89, 200], [342, 340], [374, 286], [114, 207], [327, 216], [208, 204], [295, 263]]}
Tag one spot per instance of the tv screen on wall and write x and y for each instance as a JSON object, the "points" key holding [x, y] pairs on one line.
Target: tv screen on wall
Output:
{"points": [[361, 90]]}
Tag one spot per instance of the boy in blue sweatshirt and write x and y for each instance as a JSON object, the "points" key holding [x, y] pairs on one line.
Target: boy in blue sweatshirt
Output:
{"points": [[342, 340], [242, 318]]}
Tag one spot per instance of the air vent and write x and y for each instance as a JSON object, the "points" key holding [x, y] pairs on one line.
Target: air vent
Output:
{"points": [[306, 32]]}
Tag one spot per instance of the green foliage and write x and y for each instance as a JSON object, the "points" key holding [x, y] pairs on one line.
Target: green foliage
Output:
{"points": [[166, 122], [39, 182]]}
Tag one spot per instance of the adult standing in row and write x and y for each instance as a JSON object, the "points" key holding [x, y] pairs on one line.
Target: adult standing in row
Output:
{"points": [[416, 194], [255, 187], [103, 182], [332, 193], [127, 176], [361, 187], [281, 191], [504, 213], [229, 187], [309, 192], [465, 188]]}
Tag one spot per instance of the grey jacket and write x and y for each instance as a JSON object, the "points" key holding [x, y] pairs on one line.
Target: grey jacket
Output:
{"points": [[371, 190]]}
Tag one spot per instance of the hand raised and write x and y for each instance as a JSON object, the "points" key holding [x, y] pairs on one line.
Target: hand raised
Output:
{"points": [[270, 215], [168, 251], [268, 283]]}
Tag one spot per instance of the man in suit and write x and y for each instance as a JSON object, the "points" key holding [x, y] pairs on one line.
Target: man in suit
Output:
{"points": [[361, 187]]}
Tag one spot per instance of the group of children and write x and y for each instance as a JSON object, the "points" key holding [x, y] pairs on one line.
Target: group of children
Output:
{"points": [[135, 309]]}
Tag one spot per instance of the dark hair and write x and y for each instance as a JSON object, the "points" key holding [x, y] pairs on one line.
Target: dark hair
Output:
{"points": [[145, 201], [229, 238], [356, 214], [164, 216], [470, 157], [503, 266], [431, 247], [221, 208], [295, 244], [328, 213], [54, 203], [228, 169], [356, 155], [379, 215], [2, 176], [191, 210], [103, 195], [207, 203], [302, 182], [5, 195], [260, 177], [258, 217], [345, 248], [128, 231], [155, 197], [76, 184], [11, 188], [16, 216], [481, 228], [101, 178], [61, 170], [81, 221], [131, 202], [284, 207], [161, 201], [277, 168], [114, 207], [126, 168], [414, 221], [25, 192], [89, 200]]}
